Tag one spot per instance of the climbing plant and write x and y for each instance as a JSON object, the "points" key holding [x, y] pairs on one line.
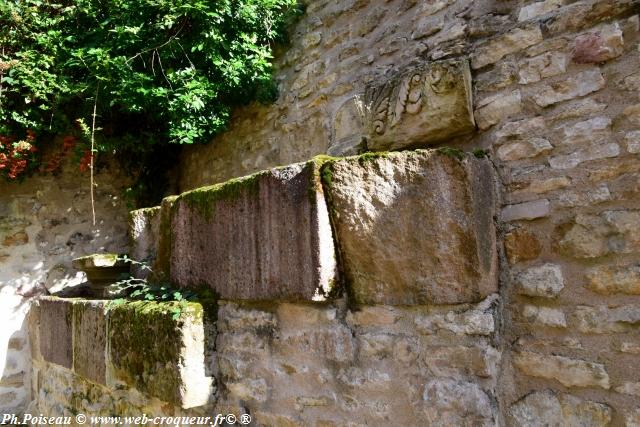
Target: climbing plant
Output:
{"points": [[159, 72]]}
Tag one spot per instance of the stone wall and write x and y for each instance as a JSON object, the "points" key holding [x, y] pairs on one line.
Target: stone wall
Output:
{"points": [[555, 88], [45, 222]]}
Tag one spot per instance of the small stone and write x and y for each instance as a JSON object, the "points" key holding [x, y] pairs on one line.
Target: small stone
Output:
{"points": [[521, 129], [546, 408], [521, 245], [568, 372], [600, 45], [523, 149], [536, 9], [632, 140], [543, 281], [588, 131], [493, 110], [477, 321], [544, 316], [312, 39], [629, 388], [578, 109], [594, 152], [505, 44], [526, 210], [630, 347], [603, 320], [545, 185], [457, 396], [581, 84], [630, 82], [632, 418], [427, 26], [16, 239], [633, 114], [610, 279], [542, 66], [590, 197]]}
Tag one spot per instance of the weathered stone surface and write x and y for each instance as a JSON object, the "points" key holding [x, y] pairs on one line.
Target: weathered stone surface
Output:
{"points": [[540, 67], [161, 352], [630, 388], [602, 319], [591, 236], [599, 45], [632, 418], [546, 408], [589, 131], [56, 341], [526, 210], [538, 8], [544, 316], [523, 149], [521, 245], [568, 372], [349, 128], [420, 107], [542, 281], [395, 247], [89, 340], [494, 109], [477, 321], [581, 84], [458, 397], [611, 279], [632, 139], [550, 184], [266, 236], [144, 229], [586, 154], [505, 44]]}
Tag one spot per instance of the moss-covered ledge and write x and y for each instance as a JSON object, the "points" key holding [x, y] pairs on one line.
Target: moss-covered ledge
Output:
{"points": [[162, 349]]}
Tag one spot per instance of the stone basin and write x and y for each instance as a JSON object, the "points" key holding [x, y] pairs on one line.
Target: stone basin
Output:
{"points": [[102, 271]]}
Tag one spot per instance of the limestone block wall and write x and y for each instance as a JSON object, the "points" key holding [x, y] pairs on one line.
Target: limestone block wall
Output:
{"points": [[555, 95], [45, 222]]}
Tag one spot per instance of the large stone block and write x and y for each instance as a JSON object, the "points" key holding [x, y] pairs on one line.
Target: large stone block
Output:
{"points": [[266, 236], [89, 340], [144, 229], [56, 330], [162, 350], [419, 107], [415, 227]]}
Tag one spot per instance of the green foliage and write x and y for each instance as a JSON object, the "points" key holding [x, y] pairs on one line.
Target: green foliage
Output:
{"points": [[131, 288], [164, 71], [452, 152]]}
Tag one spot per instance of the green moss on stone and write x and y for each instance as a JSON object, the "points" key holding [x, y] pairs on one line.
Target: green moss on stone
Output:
{"points": [[203, 199], [452, 152], [372, 155]]}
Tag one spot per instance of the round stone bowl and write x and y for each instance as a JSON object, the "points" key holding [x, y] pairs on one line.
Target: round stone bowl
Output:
{"points": [[102, 270]]}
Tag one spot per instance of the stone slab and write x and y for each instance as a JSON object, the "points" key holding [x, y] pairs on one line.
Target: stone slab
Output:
{"points": [[89, 340], [419, 107], [262, 237], [160, 351], [415, 227], [144, 227], [56, 330]]}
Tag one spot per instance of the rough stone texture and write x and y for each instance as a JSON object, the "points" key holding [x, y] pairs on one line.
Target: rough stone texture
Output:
{"points": [[521, 245], [56, 339], [602, 319], [611, 279], [503, 45], [144, 235], [89, 341], [266, 236], [420, 107], [523, 149], [600, 45], [160, 352], [544, 316], [382, 214], [526, 210], [542, 281], [496, 108], [568, 372], [578, 85], [546, 408]]}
